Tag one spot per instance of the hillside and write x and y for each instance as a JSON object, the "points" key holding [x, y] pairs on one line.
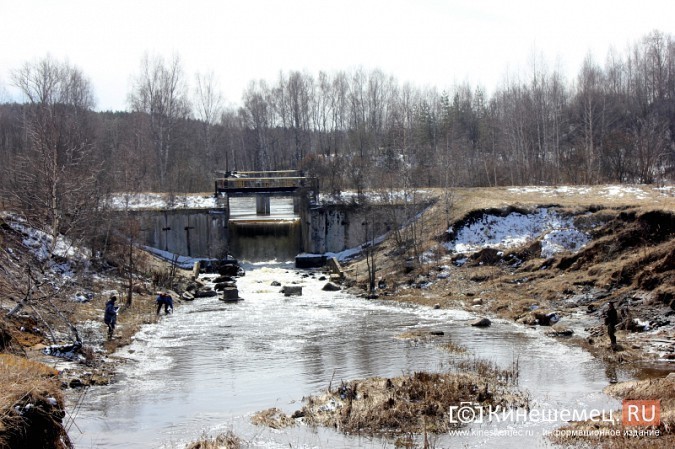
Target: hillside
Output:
{"points": [[523, 253]]}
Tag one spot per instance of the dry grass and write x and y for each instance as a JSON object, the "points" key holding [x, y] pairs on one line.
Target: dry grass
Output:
{"points": [[649, 389], [226, 440], [28, 382], [405, 405], [453, 347], [21, 378], [417, 403], [272, 417]]}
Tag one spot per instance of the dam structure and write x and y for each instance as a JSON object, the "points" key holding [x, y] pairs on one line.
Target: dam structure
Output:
{"points": [[264, 212], [259, 216]]}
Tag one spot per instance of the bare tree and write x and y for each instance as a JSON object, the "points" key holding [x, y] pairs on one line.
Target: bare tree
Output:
{"points": [[591, 111], [650, 139], [161, 92], [298, 90], [258, 114], [208, 107], [55, 180]]}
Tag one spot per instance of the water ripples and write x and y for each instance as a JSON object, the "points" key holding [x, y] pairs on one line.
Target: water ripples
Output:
{"points": [[213, 363]]}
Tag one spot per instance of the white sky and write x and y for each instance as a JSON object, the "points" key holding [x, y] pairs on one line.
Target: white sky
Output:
{"points": [[427, 42]]}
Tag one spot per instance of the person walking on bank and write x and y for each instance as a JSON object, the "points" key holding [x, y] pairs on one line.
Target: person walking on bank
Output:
{"points": [[164, 299], [110, 316], [611, 320]]}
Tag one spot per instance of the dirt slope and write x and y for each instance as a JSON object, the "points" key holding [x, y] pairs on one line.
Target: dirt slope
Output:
{"points": [[629, 258]]}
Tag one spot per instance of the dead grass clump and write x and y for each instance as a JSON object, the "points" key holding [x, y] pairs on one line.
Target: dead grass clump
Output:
{"points": [[20, 377], [414, 335], [491, 371], [417, 336], [226, 440], [648, 389], [31, 405], [14, 366], [416, 403], [660, 388], [274, 418]]}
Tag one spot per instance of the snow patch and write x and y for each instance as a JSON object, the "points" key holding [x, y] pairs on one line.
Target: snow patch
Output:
{"points": [[610, 191], [382, 197], [139, 201], [183, 262], [39, 243], [557, 233]]}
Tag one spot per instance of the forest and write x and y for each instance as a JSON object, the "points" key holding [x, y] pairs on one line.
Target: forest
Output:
{"points": [[613, 123]]}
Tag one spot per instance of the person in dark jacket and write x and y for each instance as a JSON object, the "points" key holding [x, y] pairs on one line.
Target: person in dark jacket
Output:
{"points": [[110, 316], [611, 320], [164, 299]]}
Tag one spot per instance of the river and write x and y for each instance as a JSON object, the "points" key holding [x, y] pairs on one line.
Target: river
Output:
{"points": [[211, 365]]}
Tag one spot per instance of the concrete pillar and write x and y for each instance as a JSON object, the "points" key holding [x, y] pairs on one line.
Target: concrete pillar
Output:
{"points": [[262, 204]]}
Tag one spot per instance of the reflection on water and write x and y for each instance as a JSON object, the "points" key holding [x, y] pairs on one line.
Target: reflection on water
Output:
{"points": [[209, 366]]}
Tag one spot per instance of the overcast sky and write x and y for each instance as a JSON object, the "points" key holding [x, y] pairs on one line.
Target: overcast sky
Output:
{"points": [[427, 42]]}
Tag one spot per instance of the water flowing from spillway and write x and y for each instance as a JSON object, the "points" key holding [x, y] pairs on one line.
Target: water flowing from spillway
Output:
{"points": [[211, 365]]}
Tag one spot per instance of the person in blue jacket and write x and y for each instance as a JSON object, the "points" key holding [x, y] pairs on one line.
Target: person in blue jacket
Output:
{"points": [[110, 316], [164, 299]]}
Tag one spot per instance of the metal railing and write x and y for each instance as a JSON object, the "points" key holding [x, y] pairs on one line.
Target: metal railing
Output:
{"points": [[272, 181]]}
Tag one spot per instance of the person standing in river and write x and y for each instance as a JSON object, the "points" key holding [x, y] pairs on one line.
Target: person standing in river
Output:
{"points": [[611, 320], [164, 299], [110, 316]]}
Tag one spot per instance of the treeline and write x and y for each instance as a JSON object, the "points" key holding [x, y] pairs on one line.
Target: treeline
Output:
{"points": [[613, 123]]}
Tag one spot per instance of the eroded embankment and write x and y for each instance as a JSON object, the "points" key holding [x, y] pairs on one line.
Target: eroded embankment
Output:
{"points": [[525, 264], [32, 405]]}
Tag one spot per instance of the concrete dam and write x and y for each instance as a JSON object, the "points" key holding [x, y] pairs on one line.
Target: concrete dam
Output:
{"points": [[260, 216]]}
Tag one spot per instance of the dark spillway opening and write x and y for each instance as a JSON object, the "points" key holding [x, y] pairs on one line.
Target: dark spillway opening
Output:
{"points": [[261, 240]]}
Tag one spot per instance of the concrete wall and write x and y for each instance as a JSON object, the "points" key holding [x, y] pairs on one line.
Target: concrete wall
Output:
{"points": [[207, 238], [331, 228], [335, 228]]}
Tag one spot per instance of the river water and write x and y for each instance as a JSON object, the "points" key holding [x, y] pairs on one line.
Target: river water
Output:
{"points": [[211, 365]]}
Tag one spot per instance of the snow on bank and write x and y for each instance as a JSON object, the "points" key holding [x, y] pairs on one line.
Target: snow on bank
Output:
{"points": [[60, 264], [137, 201], [164, 201], [183, 262], [557, 233], [40, 242], [374, 197], [609, 191]]}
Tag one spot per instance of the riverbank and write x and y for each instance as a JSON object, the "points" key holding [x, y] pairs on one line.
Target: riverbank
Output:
{"points": [[564, 260], [478, 261]]}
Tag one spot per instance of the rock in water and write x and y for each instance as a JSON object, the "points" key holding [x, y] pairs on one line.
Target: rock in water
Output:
{"points": [[482, 322], [330, 287], [292, 290]]}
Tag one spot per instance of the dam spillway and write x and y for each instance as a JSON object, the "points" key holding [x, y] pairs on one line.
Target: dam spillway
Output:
{"points": [[274, 235], [264, 211]]}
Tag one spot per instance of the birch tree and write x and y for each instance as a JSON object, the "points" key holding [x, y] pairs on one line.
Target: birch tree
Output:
{"points": [[161, 92], [208, 108], [54, 181]]}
